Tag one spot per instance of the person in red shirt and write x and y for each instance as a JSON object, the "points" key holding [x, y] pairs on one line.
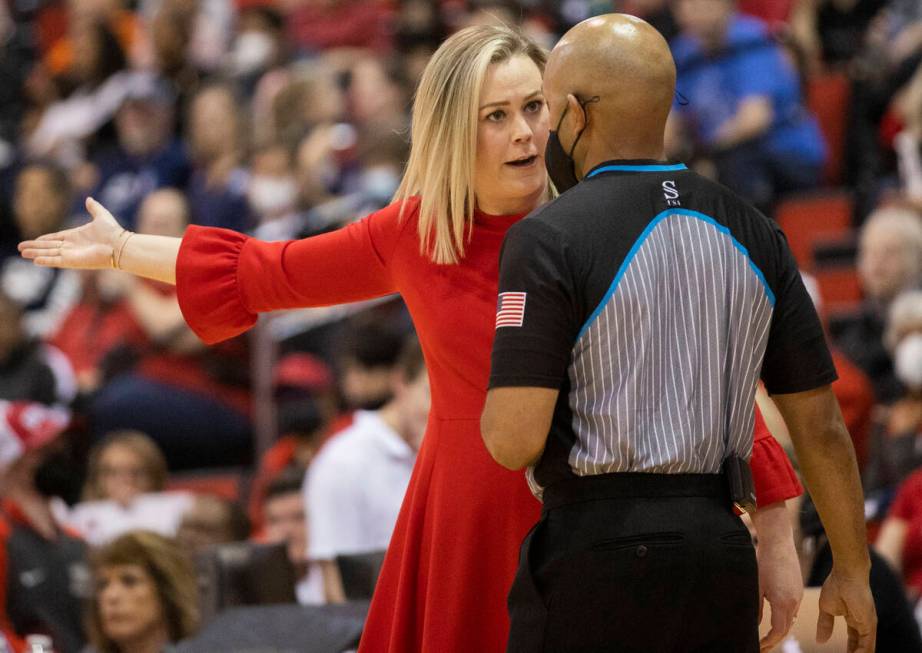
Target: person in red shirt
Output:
{"points": [[480, 127], [43, 572], [900, 539]]}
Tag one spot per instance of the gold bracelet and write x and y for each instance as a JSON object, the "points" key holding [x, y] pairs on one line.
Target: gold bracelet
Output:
{"points": [[117, 257], [114, 247]]}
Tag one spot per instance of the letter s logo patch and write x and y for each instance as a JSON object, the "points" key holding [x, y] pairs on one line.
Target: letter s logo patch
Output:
{"points": [[671, 193]]}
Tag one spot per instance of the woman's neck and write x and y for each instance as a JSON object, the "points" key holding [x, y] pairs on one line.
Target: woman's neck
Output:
{"points": [[151, 641], [511, 205]]}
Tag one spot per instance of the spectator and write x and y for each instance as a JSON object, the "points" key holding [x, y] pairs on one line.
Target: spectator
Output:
{"points": [[745, 112], [368, 183], [908, 142], [272, 191], [26, 426], [40, 204], [378, 93], [97, 72], [900, 538], [831, 34], [124, 491], [366, 364], [29, 371], [147, 156], [286, 521], [259, 45], [889, 262], [419, 31], [308, 98], [181, 394], [212, 520], [99, 334], [302, 427], [172, 23], [897, 631], [355, 485], [897, 437], [145, 598], [217, 190], [16, 60], [44, 565]]}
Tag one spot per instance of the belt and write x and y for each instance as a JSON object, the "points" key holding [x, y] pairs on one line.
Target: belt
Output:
{"points": [[634, 485]]}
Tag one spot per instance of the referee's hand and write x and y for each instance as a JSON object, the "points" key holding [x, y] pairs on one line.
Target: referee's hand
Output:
{"points": [[850, 597]]}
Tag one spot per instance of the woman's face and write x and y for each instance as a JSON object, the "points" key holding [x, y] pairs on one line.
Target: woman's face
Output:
{"points": [[883, 262], [122, 476], [512, 129], [128, 603]]}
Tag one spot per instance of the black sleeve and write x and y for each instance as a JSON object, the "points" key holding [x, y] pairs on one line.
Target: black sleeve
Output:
{"points": [[797, 357], [536, 321]]}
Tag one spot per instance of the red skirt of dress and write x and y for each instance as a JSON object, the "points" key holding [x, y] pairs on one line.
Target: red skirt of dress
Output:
{"points": [[454, 551]]}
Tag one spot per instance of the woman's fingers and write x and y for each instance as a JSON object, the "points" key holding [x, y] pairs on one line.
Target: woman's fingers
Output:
{"points": [[48, 261], [33, 249], [44, 255], [57, 235]]}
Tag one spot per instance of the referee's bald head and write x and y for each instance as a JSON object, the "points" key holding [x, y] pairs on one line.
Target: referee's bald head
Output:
{"points": [[620, 68]]}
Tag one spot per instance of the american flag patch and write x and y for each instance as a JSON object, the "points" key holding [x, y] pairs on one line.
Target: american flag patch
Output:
{"points": [[511, 309]]}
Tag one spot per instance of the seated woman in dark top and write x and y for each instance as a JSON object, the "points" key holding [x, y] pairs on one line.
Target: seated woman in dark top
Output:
{"points": [[897, 631]]}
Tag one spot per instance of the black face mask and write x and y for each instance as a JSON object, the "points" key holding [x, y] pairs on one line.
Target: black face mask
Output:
{"points": [[559, 163]]}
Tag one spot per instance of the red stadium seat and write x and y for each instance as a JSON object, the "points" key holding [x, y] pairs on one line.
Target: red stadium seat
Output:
{"points": [[828, 99], [839, 287], [806, 219]]}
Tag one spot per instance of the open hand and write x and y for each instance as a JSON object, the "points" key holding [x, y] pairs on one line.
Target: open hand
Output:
{"points": [[88, 247]]}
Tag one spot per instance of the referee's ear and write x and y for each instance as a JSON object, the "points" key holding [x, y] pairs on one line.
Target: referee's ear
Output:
{"points": [[576, 113]]}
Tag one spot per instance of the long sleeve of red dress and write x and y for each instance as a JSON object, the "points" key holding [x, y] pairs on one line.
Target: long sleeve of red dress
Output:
{"points": [[774, 476], [225, 278]]}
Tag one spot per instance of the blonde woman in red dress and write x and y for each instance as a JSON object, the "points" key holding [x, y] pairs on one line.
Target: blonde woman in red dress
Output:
{"points": [[480, 126]]}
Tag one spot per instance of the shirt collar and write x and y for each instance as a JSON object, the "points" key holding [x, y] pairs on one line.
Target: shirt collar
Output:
{"points": [[634, 165], [390, 441]]}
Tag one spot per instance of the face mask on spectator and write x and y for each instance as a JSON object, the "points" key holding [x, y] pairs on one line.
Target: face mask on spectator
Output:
{"points": [[272, 195], [252, 52], [908, 361]]}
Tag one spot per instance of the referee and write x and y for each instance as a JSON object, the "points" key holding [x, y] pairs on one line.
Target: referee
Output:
{"points": [[636, 314]]}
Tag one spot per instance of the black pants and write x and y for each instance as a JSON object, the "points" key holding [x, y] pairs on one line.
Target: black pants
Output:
{"points": [[636, 563]]}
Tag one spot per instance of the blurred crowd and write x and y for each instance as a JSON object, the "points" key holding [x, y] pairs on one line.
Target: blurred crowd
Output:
{"points": [[127, 450]]}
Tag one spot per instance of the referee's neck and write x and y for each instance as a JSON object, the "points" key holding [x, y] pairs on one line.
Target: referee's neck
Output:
{"points": [[601, 153]]}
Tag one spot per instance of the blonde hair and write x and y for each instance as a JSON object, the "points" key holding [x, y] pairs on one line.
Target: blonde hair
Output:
{"points": [[171, 571], [444, 134], [143, 446]]}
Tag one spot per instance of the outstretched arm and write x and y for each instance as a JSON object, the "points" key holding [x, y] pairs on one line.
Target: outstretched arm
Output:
{"points": [[102, 243], [225, 278]]}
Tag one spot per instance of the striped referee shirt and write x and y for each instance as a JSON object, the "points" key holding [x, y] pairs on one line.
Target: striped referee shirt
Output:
{"points": [[654, 300]]}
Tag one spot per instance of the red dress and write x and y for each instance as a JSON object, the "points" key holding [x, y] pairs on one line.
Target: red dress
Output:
{"points": [[454, 550]]}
